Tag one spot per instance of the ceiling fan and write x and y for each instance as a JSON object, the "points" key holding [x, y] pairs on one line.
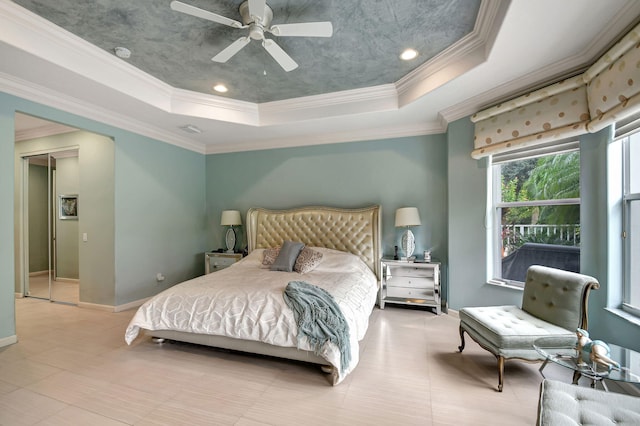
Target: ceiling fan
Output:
{"points": [[257, 15]]}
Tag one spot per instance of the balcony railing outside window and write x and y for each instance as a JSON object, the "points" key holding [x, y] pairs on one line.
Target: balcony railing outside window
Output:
{"points": [[514, 236]]}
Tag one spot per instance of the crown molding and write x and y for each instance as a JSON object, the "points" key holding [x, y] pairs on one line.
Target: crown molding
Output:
{"points": [[194, 104], [45, 96], [459, 58], [356, 101], [43, 39], [368, 134], [568, 67]]}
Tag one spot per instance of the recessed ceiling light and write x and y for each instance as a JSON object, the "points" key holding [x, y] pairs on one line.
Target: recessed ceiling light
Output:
{"points": [[190, 128], [220, 88], [408, 54], [122, 52]]}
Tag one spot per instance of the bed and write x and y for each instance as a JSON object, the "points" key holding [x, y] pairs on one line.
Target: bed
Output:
{"points": [[242, 307]]}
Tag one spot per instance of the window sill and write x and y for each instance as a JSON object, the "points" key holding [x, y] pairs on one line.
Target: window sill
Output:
{"points": [[631, 319], [504, 285]]}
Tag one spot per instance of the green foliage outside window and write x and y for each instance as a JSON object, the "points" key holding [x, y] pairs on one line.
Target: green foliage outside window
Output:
{"points": [[547, 178]]}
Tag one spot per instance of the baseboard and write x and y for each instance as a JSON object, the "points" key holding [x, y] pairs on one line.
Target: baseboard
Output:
{"points": [[19, 295], [6, 341], [131, 305], [68, 280], [454, 313], [97, 307], [111, 308], [38, 273]]}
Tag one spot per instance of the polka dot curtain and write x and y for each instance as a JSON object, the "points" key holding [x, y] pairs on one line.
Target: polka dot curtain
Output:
{"points": [[607, 92], [614, 83]]}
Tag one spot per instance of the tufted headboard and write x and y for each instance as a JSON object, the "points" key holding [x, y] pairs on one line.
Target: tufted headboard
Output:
{"points": [[355, 231]]}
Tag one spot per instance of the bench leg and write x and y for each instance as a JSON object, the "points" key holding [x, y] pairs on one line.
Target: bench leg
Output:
{"points": [[461, 347], [500, 372]]}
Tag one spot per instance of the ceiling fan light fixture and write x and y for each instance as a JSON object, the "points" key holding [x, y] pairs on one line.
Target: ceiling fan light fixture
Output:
{"points": [[409, 54], [220, 88]]}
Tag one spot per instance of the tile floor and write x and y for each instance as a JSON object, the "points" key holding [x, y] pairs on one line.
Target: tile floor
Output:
{"points": [[66, 291], [72, 367]]}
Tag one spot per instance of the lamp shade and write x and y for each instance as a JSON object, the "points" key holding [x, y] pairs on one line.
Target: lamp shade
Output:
{"points": [[407, 216], [230, 218]]}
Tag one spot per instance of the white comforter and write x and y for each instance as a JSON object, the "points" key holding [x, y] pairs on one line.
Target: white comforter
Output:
{"points": [[245, 301]]}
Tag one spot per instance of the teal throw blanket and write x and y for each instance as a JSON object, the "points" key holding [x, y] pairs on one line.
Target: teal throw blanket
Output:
{"points": [[319, 318]]}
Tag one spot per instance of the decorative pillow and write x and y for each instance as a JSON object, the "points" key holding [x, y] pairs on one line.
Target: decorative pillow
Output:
{"points": [[269, 255], [287, 257], [307, 260]]}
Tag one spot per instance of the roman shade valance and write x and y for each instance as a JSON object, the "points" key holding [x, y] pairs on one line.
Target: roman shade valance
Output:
{"points": [[609, 91], [614, 83]]}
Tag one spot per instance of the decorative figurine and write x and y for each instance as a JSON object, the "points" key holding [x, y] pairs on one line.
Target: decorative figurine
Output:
{"points": [[395, 253], [595, 351]]}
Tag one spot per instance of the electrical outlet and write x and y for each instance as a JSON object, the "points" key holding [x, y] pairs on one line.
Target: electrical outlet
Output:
{"points": [[159, 277]]}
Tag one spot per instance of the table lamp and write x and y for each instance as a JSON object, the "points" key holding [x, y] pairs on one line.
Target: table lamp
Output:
{"points": [[230, 218], [406, 217]]}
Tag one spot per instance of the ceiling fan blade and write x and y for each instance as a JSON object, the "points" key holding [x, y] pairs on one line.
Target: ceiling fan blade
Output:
{"points": [[178, 6], [308, 29], [231, 50], [279, 55], [256, 8]]}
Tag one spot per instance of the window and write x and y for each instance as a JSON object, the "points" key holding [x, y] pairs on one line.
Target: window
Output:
{"points": [[536, 211], [631, 293]]}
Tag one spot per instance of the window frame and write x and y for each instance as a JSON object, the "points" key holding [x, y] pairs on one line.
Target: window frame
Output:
{"points": [[627, 199], [495, 230]]}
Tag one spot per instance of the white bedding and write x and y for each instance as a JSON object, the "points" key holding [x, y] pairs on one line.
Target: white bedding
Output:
{"points": [[245, 301]]}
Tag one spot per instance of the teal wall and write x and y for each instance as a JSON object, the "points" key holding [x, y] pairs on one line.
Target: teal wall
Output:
{"points": [[7, 305], [392, 173], [168, 201], [67, 231], [601, 247], [160, 216], [600, 232], [467, 188], [158, 193]]}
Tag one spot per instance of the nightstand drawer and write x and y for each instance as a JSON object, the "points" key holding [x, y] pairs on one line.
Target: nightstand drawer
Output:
{"points": [[410, 293], [222, 262], [215, 261], [412, 282], [410, 271]]}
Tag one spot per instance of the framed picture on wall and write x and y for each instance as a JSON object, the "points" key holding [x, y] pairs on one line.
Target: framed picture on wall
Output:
{"points": [[68, 206]]}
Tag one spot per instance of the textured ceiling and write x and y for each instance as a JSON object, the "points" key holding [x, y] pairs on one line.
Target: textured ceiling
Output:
{"points": [[368, 37]]}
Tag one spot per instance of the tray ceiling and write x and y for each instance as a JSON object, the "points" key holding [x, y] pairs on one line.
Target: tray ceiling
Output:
{"points": [[177, 48], [351, 86]]}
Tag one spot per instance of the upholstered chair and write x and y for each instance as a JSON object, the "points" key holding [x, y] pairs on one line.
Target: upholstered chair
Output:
{"points": [[554, 305]]}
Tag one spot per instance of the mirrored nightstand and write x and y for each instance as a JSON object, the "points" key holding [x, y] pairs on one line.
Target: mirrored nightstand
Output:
{"points": [[215, 261]]}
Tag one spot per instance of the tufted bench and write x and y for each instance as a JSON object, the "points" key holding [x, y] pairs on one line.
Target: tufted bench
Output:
{"points": [[513, 330], [554, 305], [562, 404]]}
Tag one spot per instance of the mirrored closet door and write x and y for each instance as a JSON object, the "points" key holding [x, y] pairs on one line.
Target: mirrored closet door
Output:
{"points": [[51, 217]]}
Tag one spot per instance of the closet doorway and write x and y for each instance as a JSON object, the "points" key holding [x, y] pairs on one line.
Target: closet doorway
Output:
{"points": [[51, 183]]}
